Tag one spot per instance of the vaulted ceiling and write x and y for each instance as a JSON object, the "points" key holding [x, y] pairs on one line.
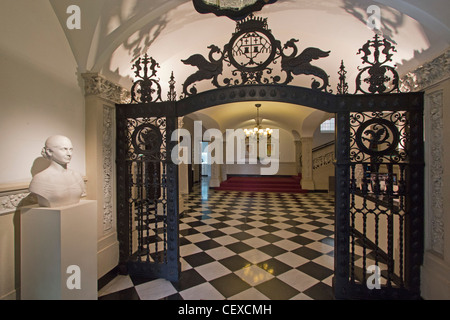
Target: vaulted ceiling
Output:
{"points": [[116, 32]]}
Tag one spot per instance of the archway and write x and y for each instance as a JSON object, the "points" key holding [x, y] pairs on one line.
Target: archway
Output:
{"points": [[379, 163]]}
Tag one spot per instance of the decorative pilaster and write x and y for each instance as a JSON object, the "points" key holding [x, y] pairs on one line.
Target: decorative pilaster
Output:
{"points": [[108, 158], [307, 165], [430, 74], [101, 96], [436, 170], [216, 170], [298, 155]]}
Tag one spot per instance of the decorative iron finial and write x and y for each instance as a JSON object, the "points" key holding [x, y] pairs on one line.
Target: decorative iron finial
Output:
{"points": [[172, 95], [380, 78], [147, 88], [342, 87]]}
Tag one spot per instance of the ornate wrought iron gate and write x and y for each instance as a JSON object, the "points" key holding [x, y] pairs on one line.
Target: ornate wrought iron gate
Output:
{"points": [[147, 191], [379, 197], [379, 158], [380, 178]]}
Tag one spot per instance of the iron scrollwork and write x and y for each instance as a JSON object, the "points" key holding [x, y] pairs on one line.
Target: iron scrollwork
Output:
{"points": [[146, 139], [379, 77], [378, 135], [251, 52], [147, 89]]}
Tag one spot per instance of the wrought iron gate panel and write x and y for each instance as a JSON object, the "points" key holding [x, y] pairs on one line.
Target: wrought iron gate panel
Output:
{"points": [[379, 200], [147, 193]]}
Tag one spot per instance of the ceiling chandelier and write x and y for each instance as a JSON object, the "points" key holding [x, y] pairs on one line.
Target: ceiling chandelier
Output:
{"points": [[234, 9], [258, 131], [231, 4]]}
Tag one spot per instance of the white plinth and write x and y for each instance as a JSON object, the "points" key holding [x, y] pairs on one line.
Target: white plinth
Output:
{"points": [[52, 239]]}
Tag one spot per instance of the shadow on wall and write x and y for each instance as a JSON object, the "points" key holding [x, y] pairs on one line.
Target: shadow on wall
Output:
{"points": [[39, 165], [27, 201], [139, 42], [390, 21]]}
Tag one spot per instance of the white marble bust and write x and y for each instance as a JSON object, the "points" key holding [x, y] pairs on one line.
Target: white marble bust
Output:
{"points": [[57, 185]]}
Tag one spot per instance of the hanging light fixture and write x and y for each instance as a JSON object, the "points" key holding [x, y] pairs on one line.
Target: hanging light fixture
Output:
{"points": [[231, 4], [233, 9], [258, 131]]}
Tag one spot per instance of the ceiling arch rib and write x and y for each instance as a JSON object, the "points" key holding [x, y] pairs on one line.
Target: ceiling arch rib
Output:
{"points": [[129, 27], [418, 11]]}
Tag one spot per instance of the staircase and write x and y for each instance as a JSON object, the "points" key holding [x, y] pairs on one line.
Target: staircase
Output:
{"points": [[263, 184]]}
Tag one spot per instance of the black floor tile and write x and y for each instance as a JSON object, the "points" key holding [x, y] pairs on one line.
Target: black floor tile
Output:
{"points": [[320, 291], [272, 250], [315, 270], [198, 259], [274, 266], [126, 294], [238, 247], [235, 263], [229, 285], [275, 289], [307, 253], [188, 279]]}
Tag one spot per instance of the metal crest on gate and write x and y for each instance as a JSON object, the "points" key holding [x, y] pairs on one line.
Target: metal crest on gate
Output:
{"points": [[252, 52]]}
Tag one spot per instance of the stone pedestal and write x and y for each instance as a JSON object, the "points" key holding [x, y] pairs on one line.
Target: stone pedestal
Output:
{"points": [[59, 252]]}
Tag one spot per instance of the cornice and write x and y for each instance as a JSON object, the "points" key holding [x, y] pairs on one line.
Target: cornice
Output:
{"points": [[98, 85], [428, 74]]}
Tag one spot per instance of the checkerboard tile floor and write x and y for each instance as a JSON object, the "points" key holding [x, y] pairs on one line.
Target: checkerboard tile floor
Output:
{"points": [[246, 246]]}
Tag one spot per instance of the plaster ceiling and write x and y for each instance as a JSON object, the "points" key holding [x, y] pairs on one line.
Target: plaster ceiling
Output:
{"points": [[115, 32], [301, 119]]}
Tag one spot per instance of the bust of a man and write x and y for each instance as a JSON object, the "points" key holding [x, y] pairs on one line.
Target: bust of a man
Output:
{"points": [[57, 185]]}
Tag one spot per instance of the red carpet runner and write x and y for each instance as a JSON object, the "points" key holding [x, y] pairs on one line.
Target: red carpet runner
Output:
{"points": [[263, 184]]}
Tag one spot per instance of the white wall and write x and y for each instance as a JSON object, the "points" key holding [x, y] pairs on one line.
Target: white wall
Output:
{"points": [[320, 138], [322, 168], [287, 164], [39, 87], [40, 96]]}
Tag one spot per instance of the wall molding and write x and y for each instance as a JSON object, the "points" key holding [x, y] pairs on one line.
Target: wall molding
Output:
{"points": [[20, 198], [427, 75], [97, 85]]}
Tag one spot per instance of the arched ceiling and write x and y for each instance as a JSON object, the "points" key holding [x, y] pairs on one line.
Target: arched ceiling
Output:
{"points": [[115, 32], [272, 114]]}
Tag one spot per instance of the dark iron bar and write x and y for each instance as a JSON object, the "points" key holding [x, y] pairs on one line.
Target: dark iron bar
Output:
{"points": [[130, 206], [352, 226], [164, 203], [402, 282]]}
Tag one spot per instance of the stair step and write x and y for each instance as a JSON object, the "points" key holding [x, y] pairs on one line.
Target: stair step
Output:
{"points": [[262, 184]]}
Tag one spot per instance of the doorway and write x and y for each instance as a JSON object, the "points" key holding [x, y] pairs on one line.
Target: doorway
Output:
{"points": [[206, 160]]}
